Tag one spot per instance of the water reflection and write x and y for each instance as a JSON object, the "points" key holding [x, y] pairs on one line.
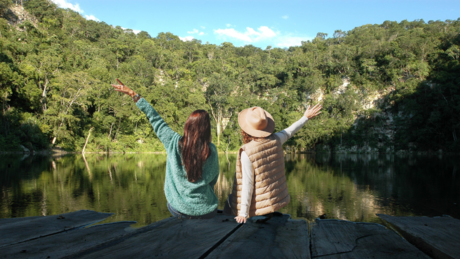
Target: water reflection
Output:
{"points": [[350, 187], [131, 186], [356, 187]]}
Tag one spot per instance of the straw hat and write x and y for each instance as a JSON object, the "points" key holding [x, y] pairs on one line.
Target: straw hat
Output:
{"points": [[256, 121]]}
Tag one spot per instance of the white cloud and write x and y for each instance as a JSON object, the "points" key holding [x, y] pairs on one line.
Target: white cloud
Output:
{"points": [[202, 27], [288, 41], [229, 25], [187, 38], [193, 32], [250, 35], [261, 36], [65, 4], [285, 17], [232, 33], [91, 17], [134, 31], [75, 7], [266, 32]]}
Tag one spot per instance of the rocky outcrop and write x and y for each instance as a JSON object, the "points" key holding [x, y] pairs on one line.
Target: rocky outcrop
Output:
{"points": [[16, 14], [317, 96], [341, 89]]}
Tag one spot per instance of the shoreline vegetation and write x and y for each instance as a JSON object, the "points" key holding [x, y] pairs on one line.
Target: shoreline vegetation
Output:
{"points": [[385, 88]]}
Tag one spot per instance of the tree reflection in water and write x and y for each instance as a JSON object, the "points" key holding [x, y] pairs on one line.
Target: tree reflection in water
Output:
{"points": [[350, 187]]}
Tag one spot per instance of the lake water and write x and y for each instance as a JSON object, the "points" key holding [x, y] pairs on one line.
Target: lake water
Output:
{"points": [[348, 187]]}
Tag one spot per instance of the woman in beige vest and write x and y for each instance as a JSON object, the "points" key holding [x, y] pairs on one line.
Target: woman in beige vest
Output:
{"points": [[260, 184]]}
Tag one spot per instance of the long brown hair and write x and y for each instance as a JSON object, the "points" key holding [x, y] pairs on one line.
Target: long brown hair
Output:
{"points": [[248, 138], [195, 144]]}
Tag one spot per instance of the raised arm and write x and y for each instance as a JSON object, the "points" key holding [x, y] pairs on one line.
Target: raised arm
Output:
{"points": [[161, 128], [310, 113]]}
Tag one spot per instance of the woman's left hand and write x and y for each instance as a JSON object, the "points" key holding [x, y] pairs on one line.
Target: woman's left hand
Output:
{"points": [[241, 219], [124, 89]]}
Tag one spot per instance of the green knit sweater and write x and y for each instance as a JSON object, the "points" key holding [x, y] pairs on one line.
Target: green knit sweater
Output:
{"points": [[193, 199]]}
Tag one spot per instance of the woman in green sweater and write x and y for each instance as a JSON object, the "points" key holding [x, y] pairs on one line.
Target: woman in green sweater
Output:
{"points": [[192, 165]]}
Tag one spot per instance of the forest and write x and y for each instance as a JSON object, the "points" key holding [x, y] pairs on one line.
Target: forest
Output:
{"points": [[384, 87]]}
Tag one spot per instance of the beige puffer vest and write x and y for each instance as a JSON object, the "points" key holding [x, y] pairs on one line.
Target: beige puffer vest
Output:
{"points": [[270, 191]]}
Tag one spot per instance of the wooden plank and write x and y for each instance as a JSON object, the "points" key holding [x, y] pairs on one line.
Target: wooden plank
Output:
{"points": [[345, 239], [24, 229], [67, 243], [16, 220], [174, 239], [280, 237], [438, 237]]}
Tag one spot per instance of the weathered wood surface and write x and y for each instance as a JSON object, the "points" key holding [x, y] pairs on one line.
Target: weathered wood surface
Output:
{"points": [[173, 239], [438, 237], [18, 230], [345, 239], [63, 235], [67, 243], [280, 237]]}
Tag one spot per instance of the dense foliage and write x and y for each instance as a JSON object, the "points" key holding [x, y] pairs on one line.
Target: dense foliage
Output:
{"points": [[56, 70]]}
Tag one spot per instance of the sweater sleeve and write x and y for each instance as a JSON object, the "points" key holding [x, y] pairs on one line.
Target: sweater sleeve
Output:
{"points": [[248, 184], [286, 134], [163, 131]]}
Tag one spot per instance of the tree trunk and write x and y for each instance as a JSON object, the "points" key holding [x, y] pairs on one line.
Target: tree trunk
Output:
{"points": [[218, 118], [87, 167], [228, 144], [110, 173], [219, 128], [67, 111], [110, 132], [118, 128], [55, 137], [44, 94], [4, 103], [86, 142]]}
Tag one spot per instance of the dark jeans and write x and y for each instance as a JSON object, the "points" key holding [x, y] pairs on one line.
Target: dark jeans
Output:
{"points": [[179, 215]]}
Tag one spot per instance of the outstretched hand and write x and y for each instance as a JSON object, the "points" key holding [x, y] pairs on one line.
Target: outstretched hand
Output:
{"points": [[123, 89], [241, 219], [313, 112]]}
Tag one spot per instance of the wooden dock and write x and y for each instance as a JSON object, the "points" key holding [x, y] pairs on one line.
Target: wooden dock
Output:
{"points": [[71, 235]]}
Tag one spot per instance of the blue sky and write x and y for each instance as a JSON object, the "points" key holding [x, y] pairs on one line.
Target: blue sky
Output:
{"points": [[260, 23]]}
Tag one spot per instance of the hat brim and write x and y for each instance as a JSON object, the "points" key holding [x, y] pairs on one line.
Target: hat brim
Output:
{"points": [[254, 132]]}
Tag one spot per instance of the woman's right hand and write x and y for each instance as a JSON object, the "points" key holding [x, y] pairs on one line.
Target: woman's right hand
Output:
{"points": [[124, 89], [313, 112]]}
